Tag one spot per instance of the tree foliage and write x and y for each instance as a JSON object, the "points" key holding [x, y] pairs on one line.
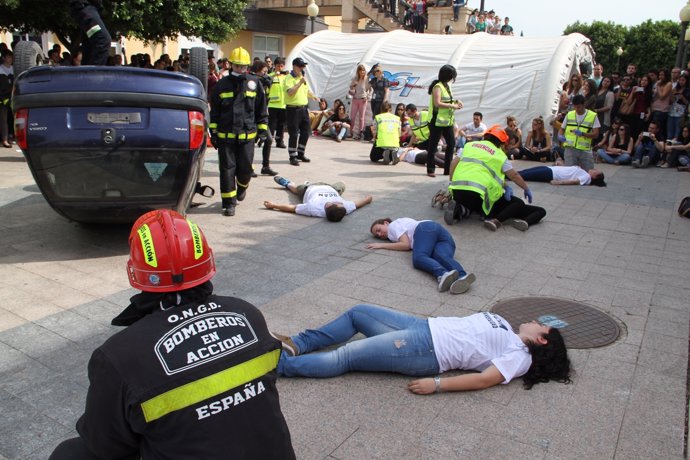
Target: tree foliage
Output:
{"points": [[650, 45], [148, 20]]}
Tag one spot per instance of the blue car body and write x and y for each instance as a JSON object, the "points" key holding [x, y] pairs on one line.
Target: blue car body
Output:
{"points": [[106, 144]]}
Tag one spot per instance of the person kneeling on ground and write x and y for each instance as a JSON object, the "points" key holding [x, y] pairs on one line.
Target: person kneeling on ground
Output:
{"points": [[318, 200], [433, 250], [563, 175], [386, 130], [158, 389], [405, 344]]}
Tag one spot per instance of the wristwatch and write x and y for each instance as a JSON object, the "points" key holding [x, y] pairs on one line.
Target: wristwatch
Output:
{"points": [[437, 381]]}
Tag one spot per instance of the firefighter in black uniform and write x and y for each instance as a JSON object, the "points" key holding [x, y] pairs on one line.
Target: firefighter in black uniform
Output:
{"points": [[95, 38], [193, 376], [238, 115]]}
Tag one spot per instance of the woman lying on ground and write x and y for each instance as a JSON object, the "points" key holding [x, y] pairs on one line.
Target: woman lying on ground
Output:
{"points": [[405, 344], [563, 175], [433, 250]]}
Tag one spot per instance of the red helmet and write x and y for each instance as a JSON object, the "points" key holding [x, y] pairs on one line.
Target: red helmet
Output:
{"points": [[168, 253], [498, 132]]}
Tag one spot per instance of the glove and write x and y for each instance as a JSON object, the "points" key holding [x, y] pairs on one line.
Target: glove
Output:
{"points": [[508, 192], [528, 196], [561, 138], [577, 132]]}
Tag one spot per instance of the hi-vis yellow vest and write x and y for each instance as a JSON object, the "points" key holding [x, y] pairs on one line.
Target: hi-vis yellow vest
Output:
{"points": [[579, 142], [387, 130], [421, 131], [276, 95], [301, 97], [444, 116], [480, 171]]}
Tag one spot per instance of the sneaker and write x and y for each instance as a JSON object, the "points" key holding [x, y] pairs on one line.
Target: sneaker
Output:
{"points": [[267, 171], [449, 214], [519, 224], [288, 345], [280, 180], [386, 157], [229, 211], [492, 224], [462, 284], [303, 158], [281, 145], [636, 163], [445, 280], [293, 161], [242, 195], [645, 162], [394, 156]]}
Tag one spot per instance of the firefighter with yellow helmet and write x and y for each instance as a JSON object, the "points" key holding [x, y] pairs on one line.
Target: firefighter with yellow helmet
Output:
{"points": [[193, 375], [238, 115]]}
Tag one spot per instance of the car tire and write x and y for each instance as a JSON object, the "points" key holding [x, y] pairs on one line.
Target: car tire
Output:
{"points": [[198, 65], [27, 54]]}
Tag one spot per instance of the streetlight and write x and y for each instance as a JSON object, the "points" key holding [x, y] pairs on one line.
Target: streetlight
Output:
{"points": [[685, 50], [619, 53], [684, 16], [313, 12]]}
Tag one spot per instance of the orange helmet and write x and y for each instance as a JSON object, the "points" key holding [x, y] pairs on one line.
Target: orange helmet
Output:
{"points": [[498, 132], [168, 253]]}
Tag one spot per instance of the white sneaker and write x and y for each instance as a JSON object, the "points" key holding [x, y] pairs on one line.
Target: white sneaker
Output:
{"points": [[462, 285], [519, 224], [445, 280]]}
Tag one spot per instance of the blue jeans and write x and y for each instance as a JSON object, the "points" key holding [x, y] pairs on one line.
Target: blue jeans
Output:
{"points": [[434, 250], [673, 129], [396, 342], [537, 174], [646, 148], [622, 159]]}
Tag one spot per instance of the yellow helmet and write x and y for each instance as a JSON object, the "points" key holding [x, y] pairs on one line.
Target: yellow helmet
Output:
{"points": [[240, 56]]}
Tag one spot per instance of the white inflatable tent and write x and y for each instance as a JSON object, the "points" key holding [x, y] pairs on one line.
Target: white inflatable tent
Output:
{"points": [[497, 75]]}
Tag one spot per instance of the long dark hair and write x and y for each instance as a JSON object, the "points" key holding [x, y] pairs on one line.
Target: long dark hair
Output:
{"points": [[549, 361], [445, 74]]}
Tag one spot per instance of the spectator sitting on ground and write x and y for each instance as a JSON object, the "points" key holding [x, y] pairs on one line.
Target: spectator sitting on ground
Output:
{"points": [[647, 148], [339, 124], [619, 146], [405, 129], [678, 150], [386, 136], [326, 124], [318, 200], [563, 175], [538, 144], [514, 138], [318, 117], [473, 131]]}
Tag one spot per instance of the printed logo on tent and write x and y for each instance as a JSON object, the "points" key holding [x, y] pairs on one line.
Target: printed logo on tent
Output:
{"points": [[155, 170], [402, 81]]}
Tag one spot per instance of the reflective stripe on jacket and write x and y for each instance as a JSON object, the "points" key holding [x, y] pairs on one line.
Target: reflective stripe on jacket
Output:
{"points": [[579, 142], [442, 116], [480, 171], [387, 130]]}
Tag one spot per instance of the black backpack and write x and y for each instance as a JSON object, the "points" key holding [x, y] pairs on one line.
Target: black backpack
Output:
{"points": [[684, 208]]}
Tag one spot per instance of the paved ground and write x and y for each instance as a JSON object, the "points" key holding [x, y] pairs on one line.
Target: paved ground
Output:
{"points": [[622, 249]]}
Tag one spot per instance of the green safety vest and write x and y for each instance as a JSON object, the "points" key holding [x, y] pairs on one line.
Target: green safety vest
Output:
{"points": [[301, 97], [579, 142], [444, 116], [421, 131], [480, 171], [276, 95], [387, 130]]}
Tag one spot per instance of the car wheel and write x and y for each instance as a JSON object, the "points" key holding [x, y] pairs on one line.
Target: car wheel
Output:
{"points": [[198, 64], [27, 54]]}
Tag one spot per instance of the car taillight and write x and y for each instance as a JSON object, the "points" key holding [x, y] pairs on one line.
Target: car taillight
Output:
{"points": [[20, 121], [197, 129]]}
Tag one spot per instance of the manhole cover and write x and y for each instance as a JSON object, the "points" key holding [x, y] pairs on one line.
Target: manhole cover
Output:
{"points": [[582, 326]]}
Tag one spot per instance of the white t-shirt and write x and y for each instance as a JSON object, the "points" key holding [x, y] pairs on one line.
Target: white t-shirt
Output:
{"points": [[403, 226], [476, 342], [570, 173], [316, 196], [470, 129]]}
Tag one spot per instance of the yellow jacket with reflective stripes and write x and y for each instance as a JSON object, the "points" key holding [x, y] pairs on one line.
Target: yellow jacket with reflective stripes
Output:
{"points": [[587, 125], [442, 116], [421, 130], [480, 171], [301, 97], [387, 130], [276, 95], [192, 381], [238, 108]]}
